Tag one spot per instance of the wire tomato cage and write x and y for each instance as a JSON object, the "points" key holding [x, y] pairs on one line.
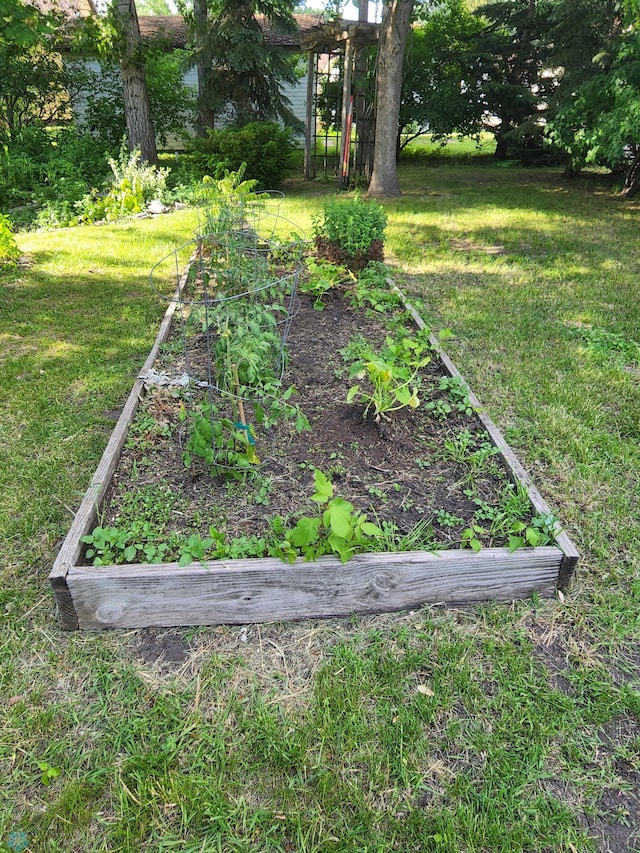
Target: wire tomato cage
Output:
{"points": [[232, 312]]}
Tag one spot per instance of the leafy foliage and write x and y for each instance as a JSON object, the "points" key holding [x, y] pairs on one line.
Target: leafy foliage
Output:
{"points": [[392, 376], [352, 226], [340, 530], [435, 96], [596, 115], [172, 102], [9, 252], [133, 185], [264, 147], [227, 446], [246, 74], [33, 82]]}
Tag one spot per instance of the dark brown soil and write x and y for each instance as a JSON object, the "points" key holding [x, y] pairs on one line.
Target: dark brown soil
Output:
{"points": [[398, 473], [330, 251]]}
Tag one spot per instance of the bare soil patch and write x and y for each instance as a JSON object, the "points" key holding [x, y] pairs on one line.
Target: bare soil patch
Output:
{"points": [[401, 473]]}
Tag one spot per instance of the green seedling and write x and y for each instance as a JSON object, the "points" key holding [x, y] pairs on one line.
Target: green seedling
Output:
{"points": [[341, 529], [47, 772]]}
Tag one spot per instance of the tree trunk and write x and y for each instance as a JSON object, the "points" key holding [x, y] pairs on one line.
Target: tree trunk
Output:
{"points": [[205, 113], [137, 107], [393, 37], [502, 146], [632, 179]]}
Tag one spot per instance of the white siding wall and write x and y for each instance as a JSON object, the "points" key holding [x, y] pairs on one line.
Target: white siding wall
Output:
{"points": [[297, 94]]}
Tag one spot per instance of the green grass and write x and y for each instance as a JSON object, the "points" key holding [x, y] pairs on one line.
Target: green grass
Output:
{"points": [[494, 729]]}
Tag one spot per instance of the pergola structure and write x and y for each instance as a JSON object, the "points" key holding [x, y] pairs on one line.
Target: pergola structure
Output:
{"points": [[329, 45]]}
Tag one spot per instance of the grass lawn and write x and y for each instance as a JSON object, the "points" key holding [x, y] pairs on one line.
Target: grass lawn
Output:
{"points": [[498, 728]]}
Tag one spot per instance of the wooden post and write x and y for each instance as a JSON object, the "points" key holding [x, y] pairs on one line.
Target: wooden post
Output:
{"points": [[345, 141], [310, 129]]}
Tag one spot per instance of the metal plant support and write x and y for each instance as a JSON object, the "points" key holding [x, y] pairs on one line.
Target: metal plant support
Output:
{"points": [[232, 317]]}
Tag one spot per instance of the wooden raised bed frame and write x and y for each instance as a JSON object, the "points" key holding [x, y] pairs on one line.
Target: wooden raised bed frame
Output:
{"points": [[266, 590]]}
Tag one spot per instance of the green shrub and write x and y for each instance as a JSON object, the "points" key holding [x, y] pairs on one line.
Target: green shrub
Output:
{"points": [[9, 252], [265, 147], [352, 223], [350, 232], [133, 186]]}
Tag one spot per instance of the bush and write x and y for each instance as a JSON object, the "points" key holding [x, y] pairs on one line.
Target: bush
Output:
{"points": [[350, 232], [9, 252], [133, 186], [265, 147], [49, 168]]}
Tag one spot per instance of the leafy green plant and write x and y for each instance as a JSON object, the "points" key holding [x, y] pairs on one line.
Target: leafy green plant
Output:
{"points": [[322, 277], [457, 393], [511, 519], [609, 346], [392, 376], [542, 530], [341, 529], [227, 446], [447, 519], [247, 336], [48, 773], [9, 252], [137, 541], [353, 224], [133, 186], [225, 200], [264, 147], [388, 390], [470, 537], [195, 549], [371, 289], [350, 231], [472, 450]]}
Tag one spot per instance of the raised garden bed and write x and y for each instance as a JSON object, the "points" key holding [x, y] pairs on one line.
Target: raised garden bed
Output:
{"points": [[259, 589]]}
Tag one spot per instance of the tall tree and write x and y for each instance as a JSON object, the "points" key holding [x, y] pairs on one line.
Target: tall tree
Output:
{"points": [[596, 114], [33, 82], [239, 70], [394, 29], [436, 96], [204, 63], [509, 70], [137, 107]]}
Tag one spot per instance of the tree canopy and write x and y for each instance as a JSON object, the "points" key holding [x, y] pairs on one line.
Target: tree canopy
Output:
{"points": [[34, 86], [239, 72]]}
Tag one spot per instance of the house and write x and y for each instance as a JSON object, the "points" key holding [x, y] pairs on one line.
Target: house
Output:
{"points": [[319, 42], [172, 31]]}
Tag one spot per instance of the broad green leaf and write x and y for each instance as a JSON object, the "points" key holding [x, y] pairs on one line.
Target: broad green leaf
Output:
{"points": [[305, 532], [533, 537], [371, 529], [324, 487], [352, 392], [515, 542], [339, 518]]}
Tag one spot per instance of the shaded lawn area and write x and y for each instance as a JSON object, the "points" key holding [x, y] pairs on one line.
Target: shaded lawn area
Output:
{"points": [[497, 728]]}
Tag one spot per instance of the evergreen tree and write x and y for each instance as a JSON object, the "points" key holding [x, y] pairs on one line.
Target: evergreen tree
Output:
{"points": [[239, 71]]}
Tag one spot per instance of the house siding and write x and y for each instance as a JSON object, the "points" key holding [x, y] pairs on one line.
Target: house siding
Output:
{"points": [[296, 93]]}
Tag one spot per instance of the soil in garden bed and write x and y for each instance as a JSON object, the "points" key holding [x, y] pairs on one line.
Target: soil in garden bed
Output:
{"points": [[417, 467]]}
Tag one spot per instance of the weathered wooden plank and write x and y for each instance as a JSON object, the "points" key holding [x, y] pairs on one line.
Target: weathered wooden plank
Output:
{"points": [[248, 591], [85, 518], [518, 473]]}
